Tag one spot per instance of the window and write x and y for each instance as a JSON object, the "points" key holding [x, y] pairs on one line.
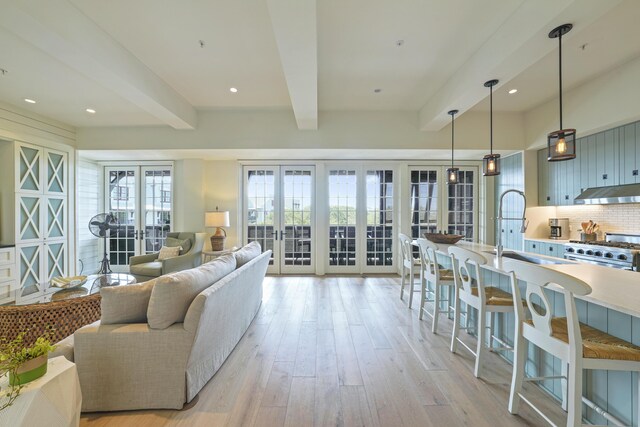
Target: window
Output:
{"points": [[342, 217], [121, 193], [424, 202], [380, 217], [461, 206], [165, 196]]}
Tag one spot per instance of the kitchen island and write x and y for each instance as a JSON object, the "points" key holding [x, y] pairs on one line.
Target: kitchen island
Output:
{"points": [[613, 306]]}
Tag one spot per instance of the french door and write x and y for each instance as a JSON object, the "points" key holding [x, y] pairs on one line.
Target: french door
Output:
{"points": [[279, 213], [141, 198]]}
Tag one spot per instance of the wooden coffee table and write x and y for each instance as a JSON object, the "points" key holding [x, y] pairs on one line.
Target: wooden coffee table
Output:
{"points": [[64, 310]]}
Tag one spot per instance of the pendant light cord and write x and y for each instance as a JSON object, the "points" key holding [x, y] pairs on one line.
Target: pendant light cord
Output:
{"points": [[491, 119], [452, 131], [560, 74]]}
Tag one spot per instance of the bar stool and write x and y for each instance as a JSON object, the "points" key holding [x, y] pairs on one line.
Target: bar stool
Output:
{"points": [[488, 300], [578, 346], [409, 264], [438, 277]]}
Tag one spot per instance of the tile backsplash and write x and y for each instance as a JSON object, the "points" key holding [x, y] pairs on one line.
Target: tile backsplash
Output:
{"points": [[623, 218]]}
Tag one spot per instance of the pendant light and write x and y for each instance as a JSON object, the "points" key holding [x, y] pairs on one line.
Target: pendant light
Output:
{"points": [[452, 172], [491, 162], [561, 144]]}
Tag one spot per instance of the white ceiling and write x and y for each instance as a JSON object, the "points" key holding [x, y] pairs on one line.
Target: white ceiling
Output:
{"points": [[146, 66]]}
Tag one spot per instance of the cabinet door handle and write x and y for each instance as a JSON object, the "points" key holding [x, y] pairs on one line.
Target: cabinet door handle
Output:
{"points": [[548, 198], [534, 246], [550, 248], [634, 172], [566, 197], [605, 176]]}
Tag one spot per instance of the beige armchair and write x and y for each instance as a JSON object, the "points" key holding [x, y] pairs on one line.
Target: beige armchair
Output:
{"points": [[145, 267]]}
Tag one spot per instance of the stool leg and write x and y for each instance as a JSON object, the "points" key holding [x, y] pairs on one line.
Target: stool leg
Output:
{"points": [[423, 294], [436, 308], [492, 328], [574, 395], [402, 281], [411, 281], [563, 384], [456, 322], [519, 359], [482, 318]]}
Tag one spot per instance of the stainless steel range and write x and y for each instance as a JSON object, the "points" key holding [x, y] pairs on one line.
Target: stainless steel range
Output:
{"points": [[617, 250]]}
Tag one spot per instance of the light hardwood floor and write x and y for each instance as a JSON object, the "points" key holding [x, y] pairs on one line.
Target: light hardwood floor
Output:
{"points": [[343, 351]]}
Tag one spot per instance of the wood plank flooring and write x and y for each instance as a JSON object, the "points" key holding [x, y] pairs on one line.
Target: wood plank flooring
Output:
{"points": [[344, 351]]}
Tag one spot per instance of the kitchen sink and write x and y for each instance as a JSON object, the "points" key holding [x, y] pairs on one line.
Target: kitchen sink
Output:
{"points": [[530, 259]]}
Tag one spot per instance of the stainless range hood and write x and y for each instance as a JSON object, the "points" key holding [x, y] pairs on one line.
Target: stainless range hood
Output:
{"points": [[629, 193]]}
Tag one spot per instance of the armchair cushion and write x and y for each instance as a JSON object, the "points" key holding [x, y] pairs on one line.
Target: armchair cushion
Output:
{"points": [[172, 294], [184, 244], [167, 252], [247, 253], [125, 304], [151, 269]]}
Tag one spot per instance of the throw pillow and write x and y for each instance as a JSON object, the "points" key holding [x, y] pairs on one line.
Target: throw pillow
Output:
{"points": [[173, 242], [125, 303], [168, 252], [173, 293], [247, 253]]}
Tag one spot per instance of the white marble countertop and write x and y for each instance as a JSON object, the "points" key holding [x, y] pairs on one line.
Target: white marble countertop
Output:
{"points": [[611, 287], [547, 240]]}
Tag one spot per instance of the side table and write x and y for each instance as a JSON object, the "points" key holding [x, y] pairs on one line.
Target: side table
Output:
{"points": [[211, 255], [53, 400]]}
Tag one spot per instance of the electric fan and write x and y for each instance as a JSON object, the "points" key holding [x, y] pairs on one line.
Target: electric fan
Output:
{"points": [[101, 225]]}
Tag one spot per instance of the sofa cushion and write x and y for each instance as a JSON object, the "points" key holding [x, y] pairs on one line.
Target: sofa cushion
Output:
{"points": [[172, 242], [151, 269], [173, 293], [168, 252], [247, 253], [126, 303]]}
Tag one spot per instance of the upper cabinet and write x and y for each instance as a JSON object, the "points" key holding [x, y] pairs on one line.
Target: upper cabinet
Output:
{"points": [[604, 159]]}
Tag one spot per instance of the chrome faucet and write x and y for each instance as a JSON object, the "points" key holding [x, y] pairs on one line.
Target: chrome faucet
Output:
{"points": [[524, 224]]}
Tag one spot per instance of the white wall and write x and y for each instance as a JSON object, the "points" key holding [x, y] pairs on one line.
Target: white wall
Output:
{"points": [[605, 102], [276, 129], [222, 190], [90, 194], [188, 201]]}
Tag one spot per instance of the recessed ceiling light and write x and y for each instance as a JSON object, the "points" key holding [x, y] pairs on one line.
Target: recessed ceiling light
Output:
{"points": [[30, 101], [377, 90], [512, 91], [90, 110], [399, 43], [233, 90]]}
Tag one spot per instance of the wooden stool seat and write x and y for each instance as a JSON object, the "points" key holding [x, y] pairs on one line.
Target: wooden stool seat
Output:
{"points": [[495, 296], [595, 343]]}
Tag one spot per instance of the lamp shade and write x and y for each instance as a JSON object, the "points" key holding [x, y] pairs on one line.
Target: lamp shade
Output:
{"points": [[216, 219]]}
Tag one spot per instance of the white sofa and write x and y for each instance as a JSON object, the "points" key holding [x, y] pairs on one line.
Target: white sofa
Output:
{"points": [[133, 366]]}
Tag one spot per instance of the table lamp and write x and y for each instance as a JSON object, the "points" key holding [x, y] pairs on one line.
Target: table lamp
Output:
{"points": [[217, 219]]}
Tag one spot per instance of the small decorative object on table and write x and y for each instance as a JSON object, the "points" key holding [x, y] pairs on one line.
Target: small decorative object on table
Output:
{"points": [[23, 364], [443, 238], [68, 282]]}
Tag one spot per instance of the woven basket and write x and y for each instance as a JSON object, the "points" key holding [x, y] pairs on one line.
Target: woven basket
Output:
{"points": [[217, 243], [447, 239]]}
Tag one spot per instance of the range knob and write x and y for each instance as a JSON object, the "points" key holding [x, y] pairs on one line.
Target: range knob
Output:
{"points": [[570, 250], [608, 255], [597, 253], [580, 251], [622, 257], [589, 252]]}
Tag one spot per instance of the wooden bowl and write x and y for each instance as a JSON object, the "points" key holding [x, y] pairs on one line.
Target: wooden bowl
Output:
{"points": [[447, 239]]}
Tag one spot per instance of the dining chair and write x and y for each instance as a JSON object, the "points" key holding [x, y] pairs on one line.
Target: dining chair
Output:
{"points": [[578, 346], [409, 264], [438, 277], [487, 300]]}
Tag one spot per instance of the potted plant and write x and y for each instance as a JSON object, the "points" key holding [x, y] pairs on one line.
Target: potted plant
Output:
{"points": [[23, 363]]}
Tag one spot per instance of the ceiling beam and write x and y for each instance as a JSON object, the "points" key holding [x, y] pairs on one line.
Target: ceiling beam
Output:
{"points": [[295, 29], [521, 41], [61, 30]]}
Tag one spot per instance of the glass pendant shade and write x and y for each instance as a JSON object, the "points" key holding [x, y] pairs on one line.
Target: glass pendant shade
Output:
{"points": [[452, 175], [561, 145], [491, 165]]}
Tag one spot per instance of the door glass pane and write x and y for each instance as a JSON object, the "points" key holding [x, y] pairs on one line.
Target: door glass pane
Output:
{"points": [[342, 217], [296, 196], [260, 208], [157, 208], [122, 204], [379, 217], [460, 206], [29, 217], [55, 217], [55, 172], [29, 168], [424, 202], [55, 253], [29, 269]]}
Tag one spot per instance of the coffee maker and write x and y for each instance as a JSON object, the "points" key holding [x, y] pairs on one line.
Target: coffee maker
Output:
{"points": [[559, 228]]}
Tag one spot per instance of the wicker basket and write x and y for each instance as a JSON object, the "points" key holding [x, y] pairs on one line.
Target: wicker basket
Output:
{"points": [[447, 239], [217, 243]]}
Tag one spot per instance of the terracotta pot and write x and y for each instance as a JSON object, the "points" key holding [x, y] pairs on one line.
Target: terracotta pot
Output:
{"points": [[30, 370]]}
